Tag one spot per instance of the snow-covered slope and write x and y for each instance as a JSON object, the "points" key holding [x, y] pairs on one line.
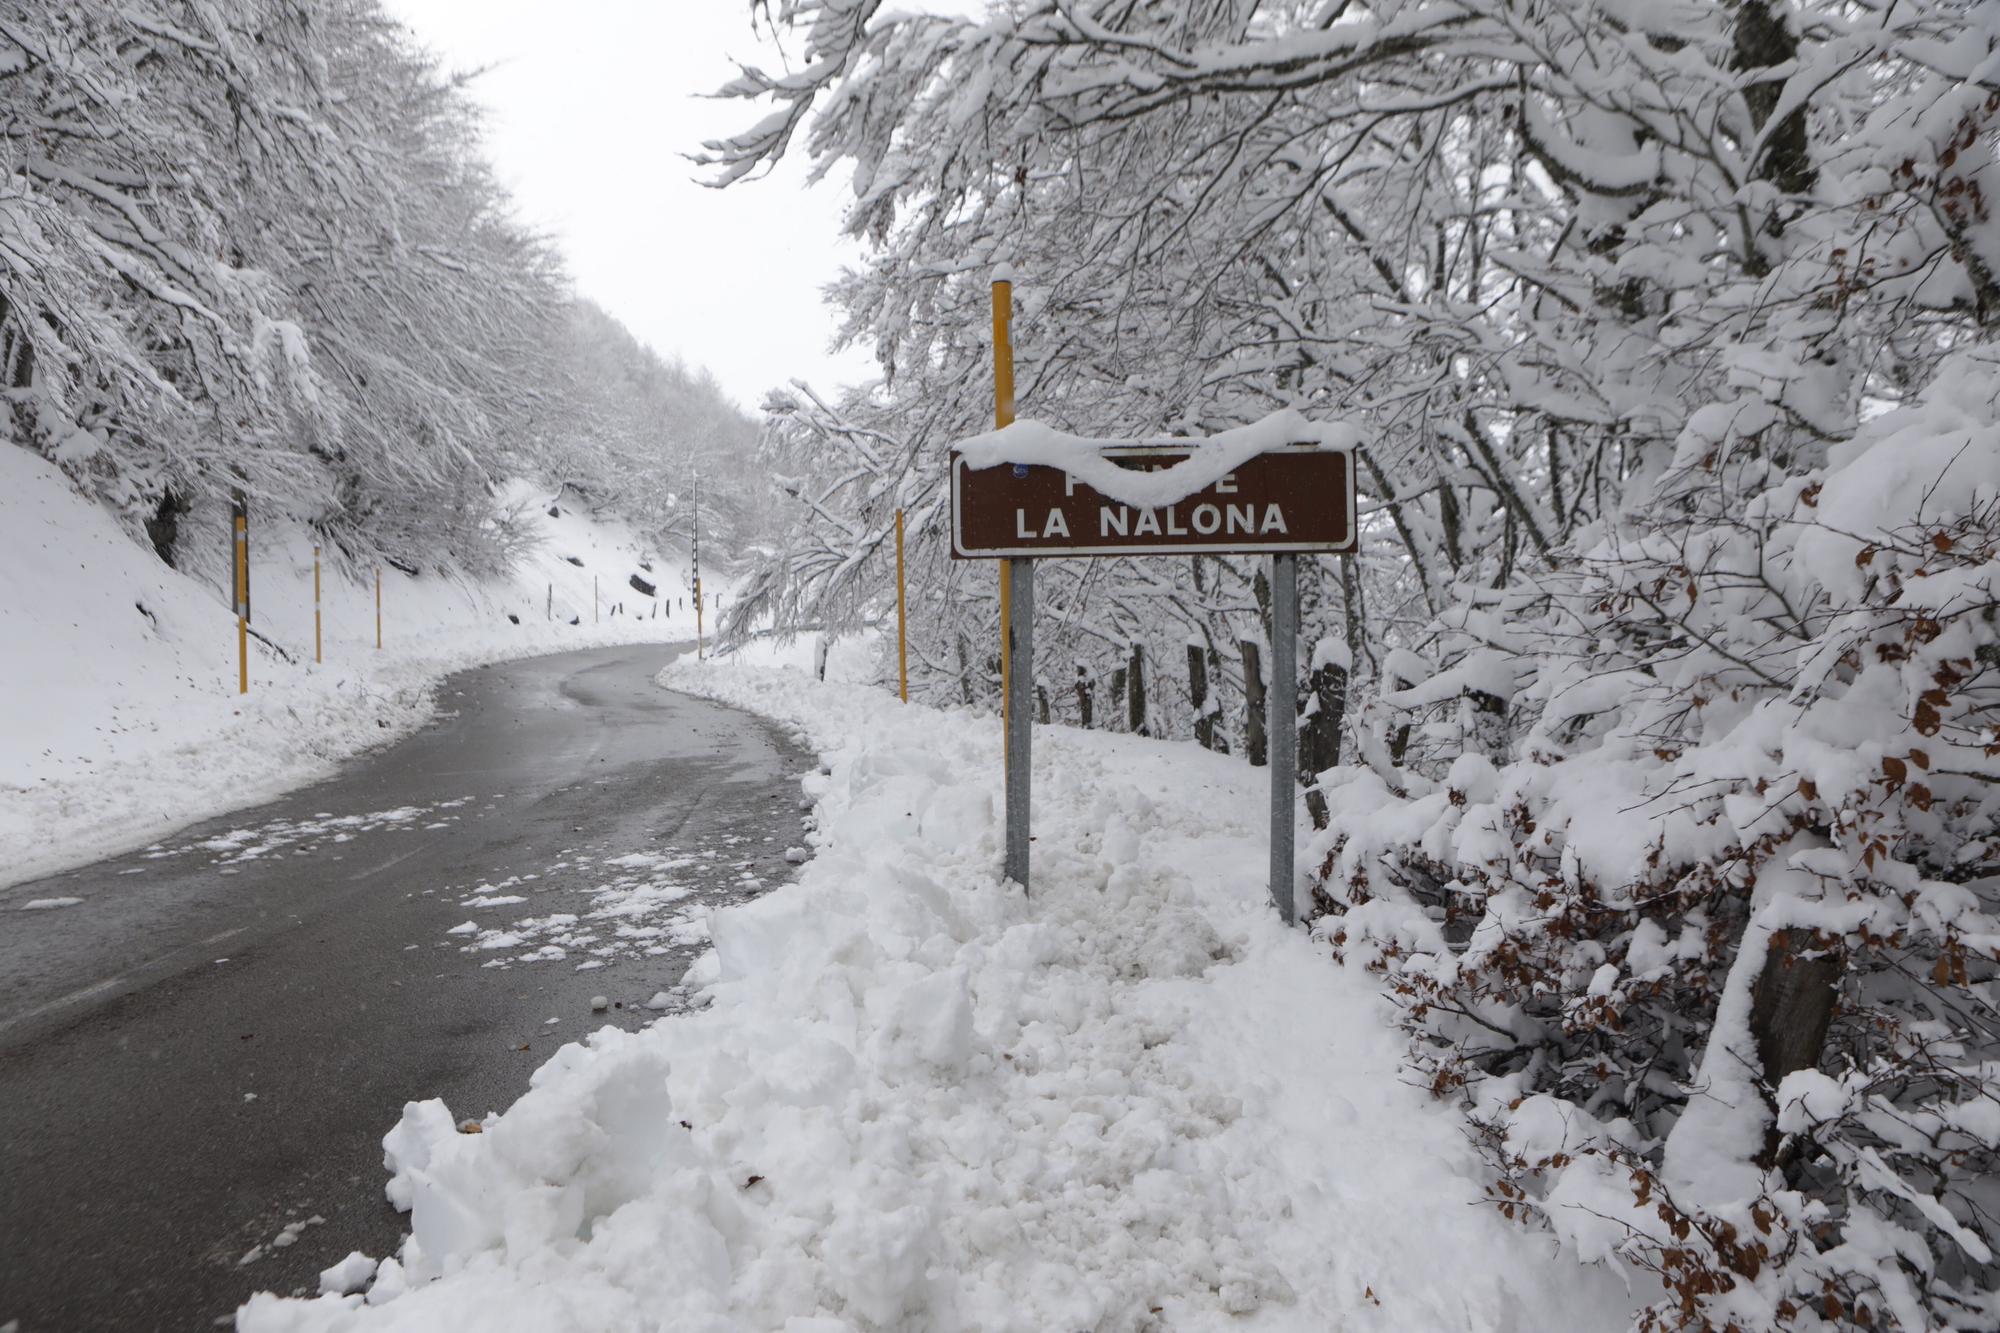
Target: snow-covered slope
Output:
{"points": [[120, 717], [922, 1100]]}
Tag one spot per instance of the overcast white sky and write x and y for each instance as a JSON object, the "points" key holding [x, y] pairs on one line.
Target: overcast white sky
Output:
{"points": [[592, 105]]}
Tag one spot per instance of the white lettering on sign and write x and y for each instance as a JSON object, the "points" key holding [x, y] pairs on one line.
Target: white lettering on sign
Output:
{"points": [[1055, 525], [1227, 486], [1205, 520]]}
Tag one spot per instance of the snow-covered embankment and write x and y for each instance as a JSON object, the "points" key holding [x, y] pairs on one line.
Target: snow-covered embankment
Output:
{"points": [[121, 721], [923, 1100]]}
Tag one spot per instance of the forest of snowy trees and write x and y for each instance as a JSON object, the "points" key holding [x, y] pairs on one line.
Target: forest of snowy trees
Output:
{"points": [[1664, 687], [251, 249]]}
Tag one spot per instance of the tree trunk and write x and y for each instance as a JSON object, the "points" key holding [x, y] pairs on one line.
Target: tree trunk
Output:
{"points": [[1399, 743], [163, 529], [1319, 738], [1204, 721], [1135, 694], [1086, 700], [1763, 39], [1791, 1010], [1489, 725], [1255, 747]]}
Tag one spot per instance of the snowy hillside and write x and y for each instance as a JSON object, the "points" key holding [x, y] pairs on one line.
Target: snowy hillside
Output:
{"points": [[923, 1100], [121, 717]]}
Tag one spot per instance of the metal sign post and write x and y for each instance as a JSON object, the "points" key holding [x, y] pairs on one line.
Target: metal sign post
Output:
{"points": [[1020, 712], [1281, 724], [1017, 617]]}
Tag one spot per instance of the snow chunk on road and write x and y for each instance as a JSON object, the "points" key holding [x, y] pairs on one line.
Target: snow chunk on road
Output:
{"points": [[350, 1274], [46, 904], [918, 1098]]}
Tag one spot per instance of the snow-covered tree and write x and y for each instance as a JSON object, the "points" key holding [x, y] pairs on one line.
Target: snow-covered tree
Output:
{"points": [[250, 248], [1643, 311]]}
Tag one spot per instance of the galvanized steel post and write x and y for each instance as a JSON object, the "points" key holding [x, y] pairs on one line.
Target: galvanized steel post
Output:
{"points": [[1017, 614], [1281, 721], [1020, 713]]}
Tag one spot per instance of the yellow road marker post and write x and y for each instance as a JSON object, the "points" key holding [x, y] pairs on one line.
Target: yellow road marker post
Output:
{"points": [[902, 618], [1003, 416], [242, 602]]}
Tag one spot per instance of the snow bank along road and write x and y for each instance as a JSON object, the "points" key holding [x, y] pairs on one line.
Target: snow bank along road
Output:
{"points": [[202, 1042], [920, 1101]]}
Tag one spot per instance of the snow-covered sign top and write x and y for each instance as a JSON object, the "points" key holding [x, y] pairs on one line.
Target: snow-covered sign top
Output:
{"points": [[1210, 458], [1282, 484]]}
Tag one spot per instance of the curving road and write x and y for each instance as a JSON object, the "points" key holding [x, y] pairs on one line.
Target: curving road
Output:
{"points": [[201, 1057]]}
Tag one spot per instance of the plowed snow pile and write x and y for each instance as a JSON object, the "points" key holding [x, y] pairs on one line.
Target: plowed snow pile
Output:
{"points": [[922, 1100]]}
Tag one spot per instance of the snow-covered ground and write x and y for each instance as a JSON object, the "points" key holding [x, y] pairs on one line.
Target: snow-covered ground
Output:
{"points": [[121, 719], [920, 1099]]}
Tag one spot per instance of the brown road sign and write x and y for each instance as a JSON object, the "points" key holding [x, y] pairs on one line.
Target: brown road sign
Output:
{"points": [[1299, 498]]}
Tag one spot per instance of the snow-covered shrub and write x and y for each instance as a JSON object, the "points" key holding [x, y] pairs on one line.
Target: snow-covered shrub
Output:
{"points": [[1709, 948]]}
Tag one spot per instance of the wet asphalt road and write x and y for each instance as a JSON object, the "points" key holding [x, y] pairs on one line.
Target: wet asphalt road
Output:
{"points": [[210, 1047]]}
